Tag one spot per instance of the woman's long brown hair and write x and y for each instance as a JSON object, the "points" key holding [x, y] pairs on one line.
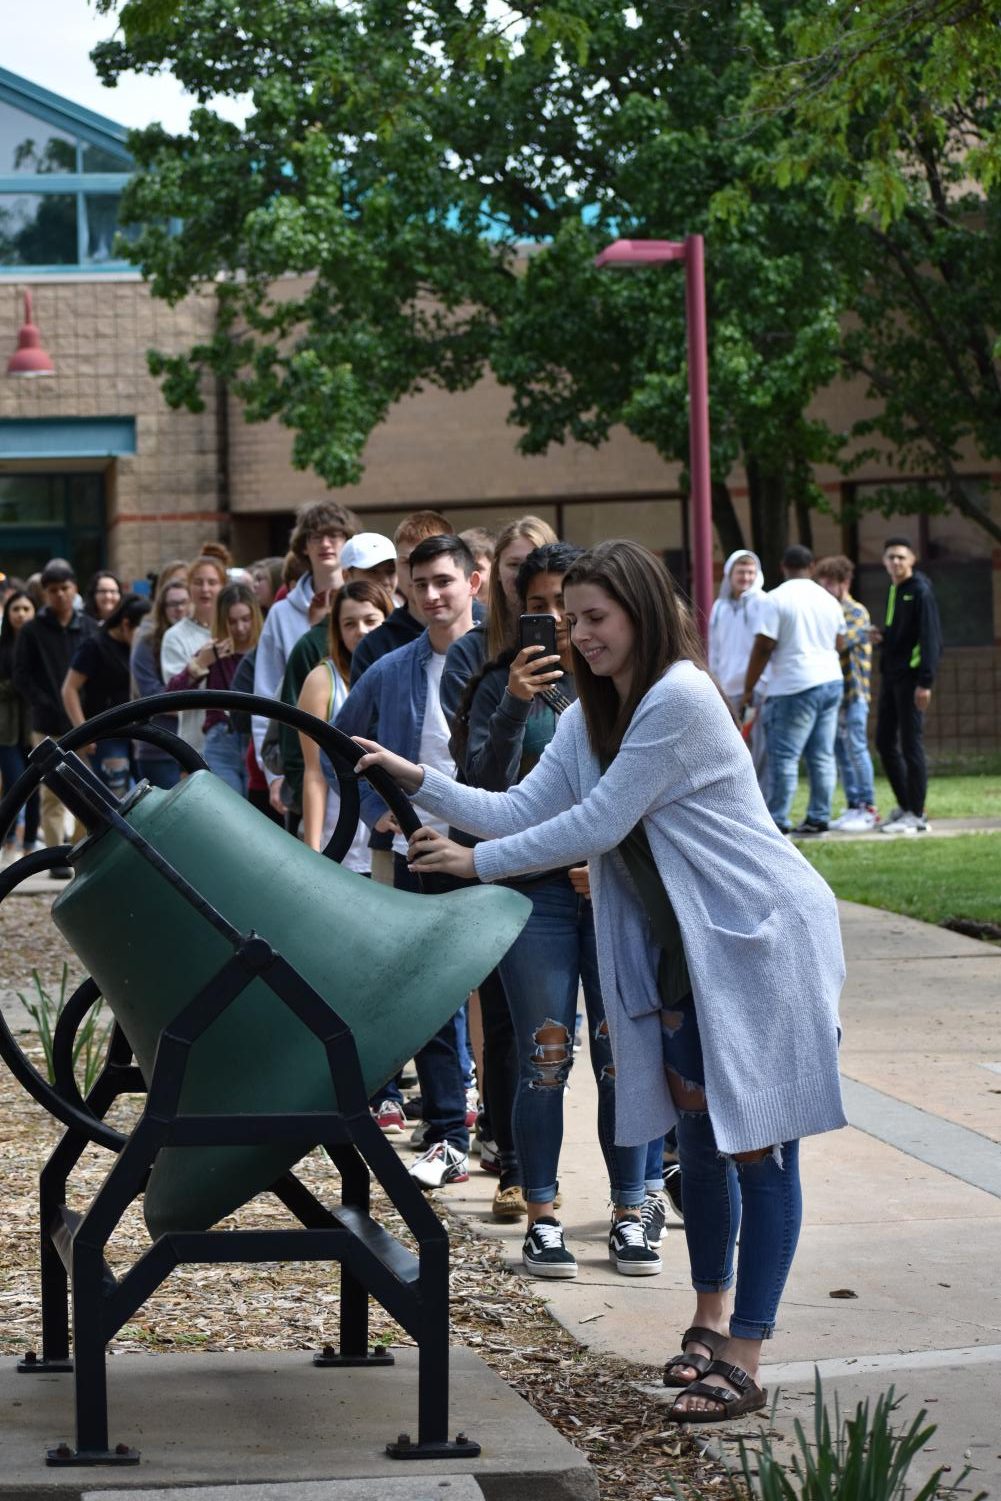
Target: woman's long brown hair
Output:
{"points": [[362, 591], [665, 634], [501, 618]]}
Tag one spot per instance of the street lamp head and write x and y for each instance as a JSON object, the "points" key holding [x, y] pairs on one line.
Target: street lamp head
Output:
{"points": [[626, 255], [29, 359]]}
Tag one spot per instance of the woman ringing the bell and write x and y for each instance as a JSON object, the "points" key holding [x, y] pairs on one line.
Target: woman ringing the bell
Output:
{"points": [[718, 944]]}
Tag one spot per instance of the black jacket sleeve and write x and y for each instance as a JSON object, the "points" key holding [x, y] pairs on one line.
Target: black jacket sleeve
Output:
{"points": [[929, 634], [496, 734]]}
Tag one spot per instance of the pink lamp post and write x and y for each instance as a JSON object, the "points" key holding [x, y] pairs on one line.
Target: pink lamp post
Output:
{"points": [[691, 250]]}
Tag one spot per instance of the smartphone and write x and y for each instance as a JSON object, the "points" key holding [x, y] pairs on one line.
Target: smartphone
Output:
{"points": [[539, 630]]}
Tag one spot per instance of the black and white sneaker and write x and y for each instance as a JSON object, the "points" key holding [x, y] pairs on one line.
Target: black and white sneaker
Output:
{"points": [[630, 1250], [544, 1252], [653, 1218], [672, 1188]]}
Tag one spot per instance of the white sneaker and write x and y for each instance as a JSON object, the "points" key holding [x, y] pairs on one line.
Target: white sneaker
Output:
{"points": [[907, 823], [858, 821], [843, 818], [439, 1165]]}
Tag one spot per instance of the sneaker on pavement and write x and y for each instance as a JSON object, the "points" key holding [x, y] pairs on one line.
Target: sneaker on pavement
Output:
{"points": [[413, 1108], [417, 1136], [843, 817], [653, 1216], [630, 1250], [544, 1252], [389, 1117], [672, 1189], [894, 816], [489, 1157], [509, 1203], [809, 828], [858, 821], [907, 823], [439, 1165]]}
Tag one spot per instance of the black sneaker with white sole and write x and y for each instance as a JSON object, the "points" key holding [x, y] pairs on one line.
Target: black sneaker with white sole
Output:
{"points": [[544, 1252], [630, 1250], [653, 1218], [672, 1188]]}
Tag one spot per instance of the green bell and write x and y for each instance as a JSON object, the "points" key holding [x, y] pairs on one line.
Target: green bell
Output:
{"points": [[393, 965]]}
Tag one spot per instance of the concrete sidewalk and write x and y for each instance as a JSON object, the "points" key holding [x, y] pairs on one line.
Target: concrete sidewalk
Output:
{"points": [[902, 1212]]}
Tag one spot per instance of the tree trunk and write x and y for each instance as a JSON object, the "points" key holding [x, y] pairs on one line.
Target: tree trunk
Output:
{"points": [[725, 520], [769, 498]]}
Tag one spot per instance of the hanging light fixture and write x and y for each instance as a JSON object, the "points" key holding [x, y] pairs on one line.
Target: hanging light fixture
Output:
{"points": [[29, 358]]}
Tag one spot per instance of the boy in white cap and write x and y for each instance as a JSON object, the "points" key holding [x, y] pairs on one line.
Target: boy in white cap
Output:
{"points": [[370, 555]]}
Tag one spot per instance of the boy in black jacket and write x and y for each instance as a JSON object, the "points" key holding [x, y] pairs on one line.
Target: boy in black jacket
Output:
{"points": [[911, 639]]}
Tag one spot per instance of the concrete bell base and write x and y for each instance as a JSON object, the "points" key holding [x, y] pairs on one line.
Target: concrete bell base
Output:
{"points": [[293, 1432]]}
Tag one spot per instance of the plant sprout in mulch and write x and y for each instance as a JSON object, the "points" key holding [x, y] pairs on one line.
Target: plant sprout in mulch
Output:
{"points": [[594, 1400]]}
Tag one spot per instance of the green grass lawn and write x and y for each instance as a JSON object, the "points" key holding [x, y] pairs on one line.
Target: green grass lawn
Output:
{"points": [[964, 796], [924, 877]]}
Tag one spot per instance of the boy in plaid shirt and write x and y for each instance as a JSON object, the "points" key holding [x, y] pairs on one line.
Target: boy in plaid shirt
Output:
{"points": [[851, 746]]}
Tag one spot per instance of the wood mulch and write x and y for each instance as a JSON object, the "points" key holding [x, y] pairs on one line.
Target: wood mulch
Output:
{"points": [[594, 1400]]}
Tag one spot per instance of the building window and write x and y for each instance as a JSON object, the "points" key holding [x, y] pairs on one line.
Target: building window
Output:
{"points": [[60, 183], [52, 515]]}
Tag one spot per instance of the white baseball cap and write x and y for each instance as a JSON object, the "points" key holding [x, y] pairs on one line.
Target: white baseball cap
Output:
{"points": [[367, 550]]}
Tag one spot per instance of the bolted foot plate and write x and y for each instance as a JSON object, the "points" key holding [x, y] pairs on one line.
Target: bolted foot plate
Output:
{"points": [[376, 1356], [63, 1455], [32, 1366], [459, 1448]]}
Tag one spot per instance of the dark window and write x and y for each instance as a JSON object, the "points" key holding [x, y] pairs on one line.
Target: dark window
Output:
{"points": [[38, 229]]}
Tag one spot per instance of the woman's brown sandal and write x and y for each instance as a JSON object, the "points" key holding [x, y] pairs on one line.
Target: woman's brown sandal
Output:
{"points": [[713, 1342], [729, 1404]]}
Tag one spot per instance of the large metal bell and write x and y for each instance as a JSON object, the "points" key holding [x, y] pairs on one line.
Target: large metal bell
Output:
{"points": [[394, 966]]}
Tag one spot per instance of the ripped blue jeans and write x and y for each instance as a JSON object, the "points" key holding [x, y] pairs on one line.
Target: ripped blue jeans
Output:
{"points": [[553, 955], [760, 1199]]}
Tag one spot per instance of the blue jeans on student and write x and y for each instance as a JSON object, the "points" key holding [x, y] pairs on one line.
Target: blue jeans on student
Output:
{"points": [[552, 956], [443, 1093], [112, 760], [226, 754], [760, 1199], [802, 724], [13, 760], [851, 748]]}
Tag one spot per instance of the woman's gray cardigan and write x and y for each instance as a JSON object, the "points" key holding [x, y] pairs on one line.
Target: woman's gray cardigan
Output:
{"points": [[760, 927]]}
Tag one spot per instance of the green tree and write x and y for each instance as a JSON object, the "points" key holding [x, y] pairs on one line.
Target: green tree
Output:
{"points": [[895, 105], [340, 179], [396, 154]]}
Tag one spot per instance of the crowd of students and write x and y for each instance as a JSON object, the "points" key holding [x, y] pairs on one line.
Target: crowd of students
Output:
{"points": [[604, 776]]}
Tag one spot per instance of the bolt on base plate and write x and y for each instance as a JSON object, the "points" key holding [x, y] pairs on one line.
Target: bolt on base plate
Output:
{"points": [[458, 1448], [32, 1366], [63, 1455], [377, 1355]]}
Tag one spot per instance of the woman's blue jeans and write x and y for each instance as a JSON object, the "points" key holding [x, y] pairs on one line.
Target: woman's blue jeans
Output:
{"points": [[553, 955], [226, 754], [112, 760], [760, 1199]]}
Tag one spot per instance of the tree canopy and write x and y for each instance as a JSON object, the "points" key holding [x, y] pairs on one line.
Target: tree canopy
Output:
{"points": [[367, 229]]}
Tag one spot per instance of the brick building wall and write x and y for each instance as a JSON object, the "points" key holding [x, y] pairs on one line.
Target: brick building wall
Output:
{"points": [[163, 499]]}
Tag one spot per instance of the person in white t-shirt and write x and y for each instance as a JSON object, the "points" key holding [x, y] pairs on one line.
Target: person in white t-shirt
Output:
{"points": [[799, 633]]}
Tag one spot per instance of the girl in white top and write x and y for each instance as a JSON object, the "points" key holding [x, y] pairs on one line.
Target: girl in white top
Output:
{"points": [[206, 576], [358, 608]]}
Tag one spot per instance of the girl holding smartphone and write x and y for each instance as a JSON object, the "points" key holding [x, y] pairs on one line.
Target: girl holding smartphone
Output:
{"points": [[718, 944]]}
